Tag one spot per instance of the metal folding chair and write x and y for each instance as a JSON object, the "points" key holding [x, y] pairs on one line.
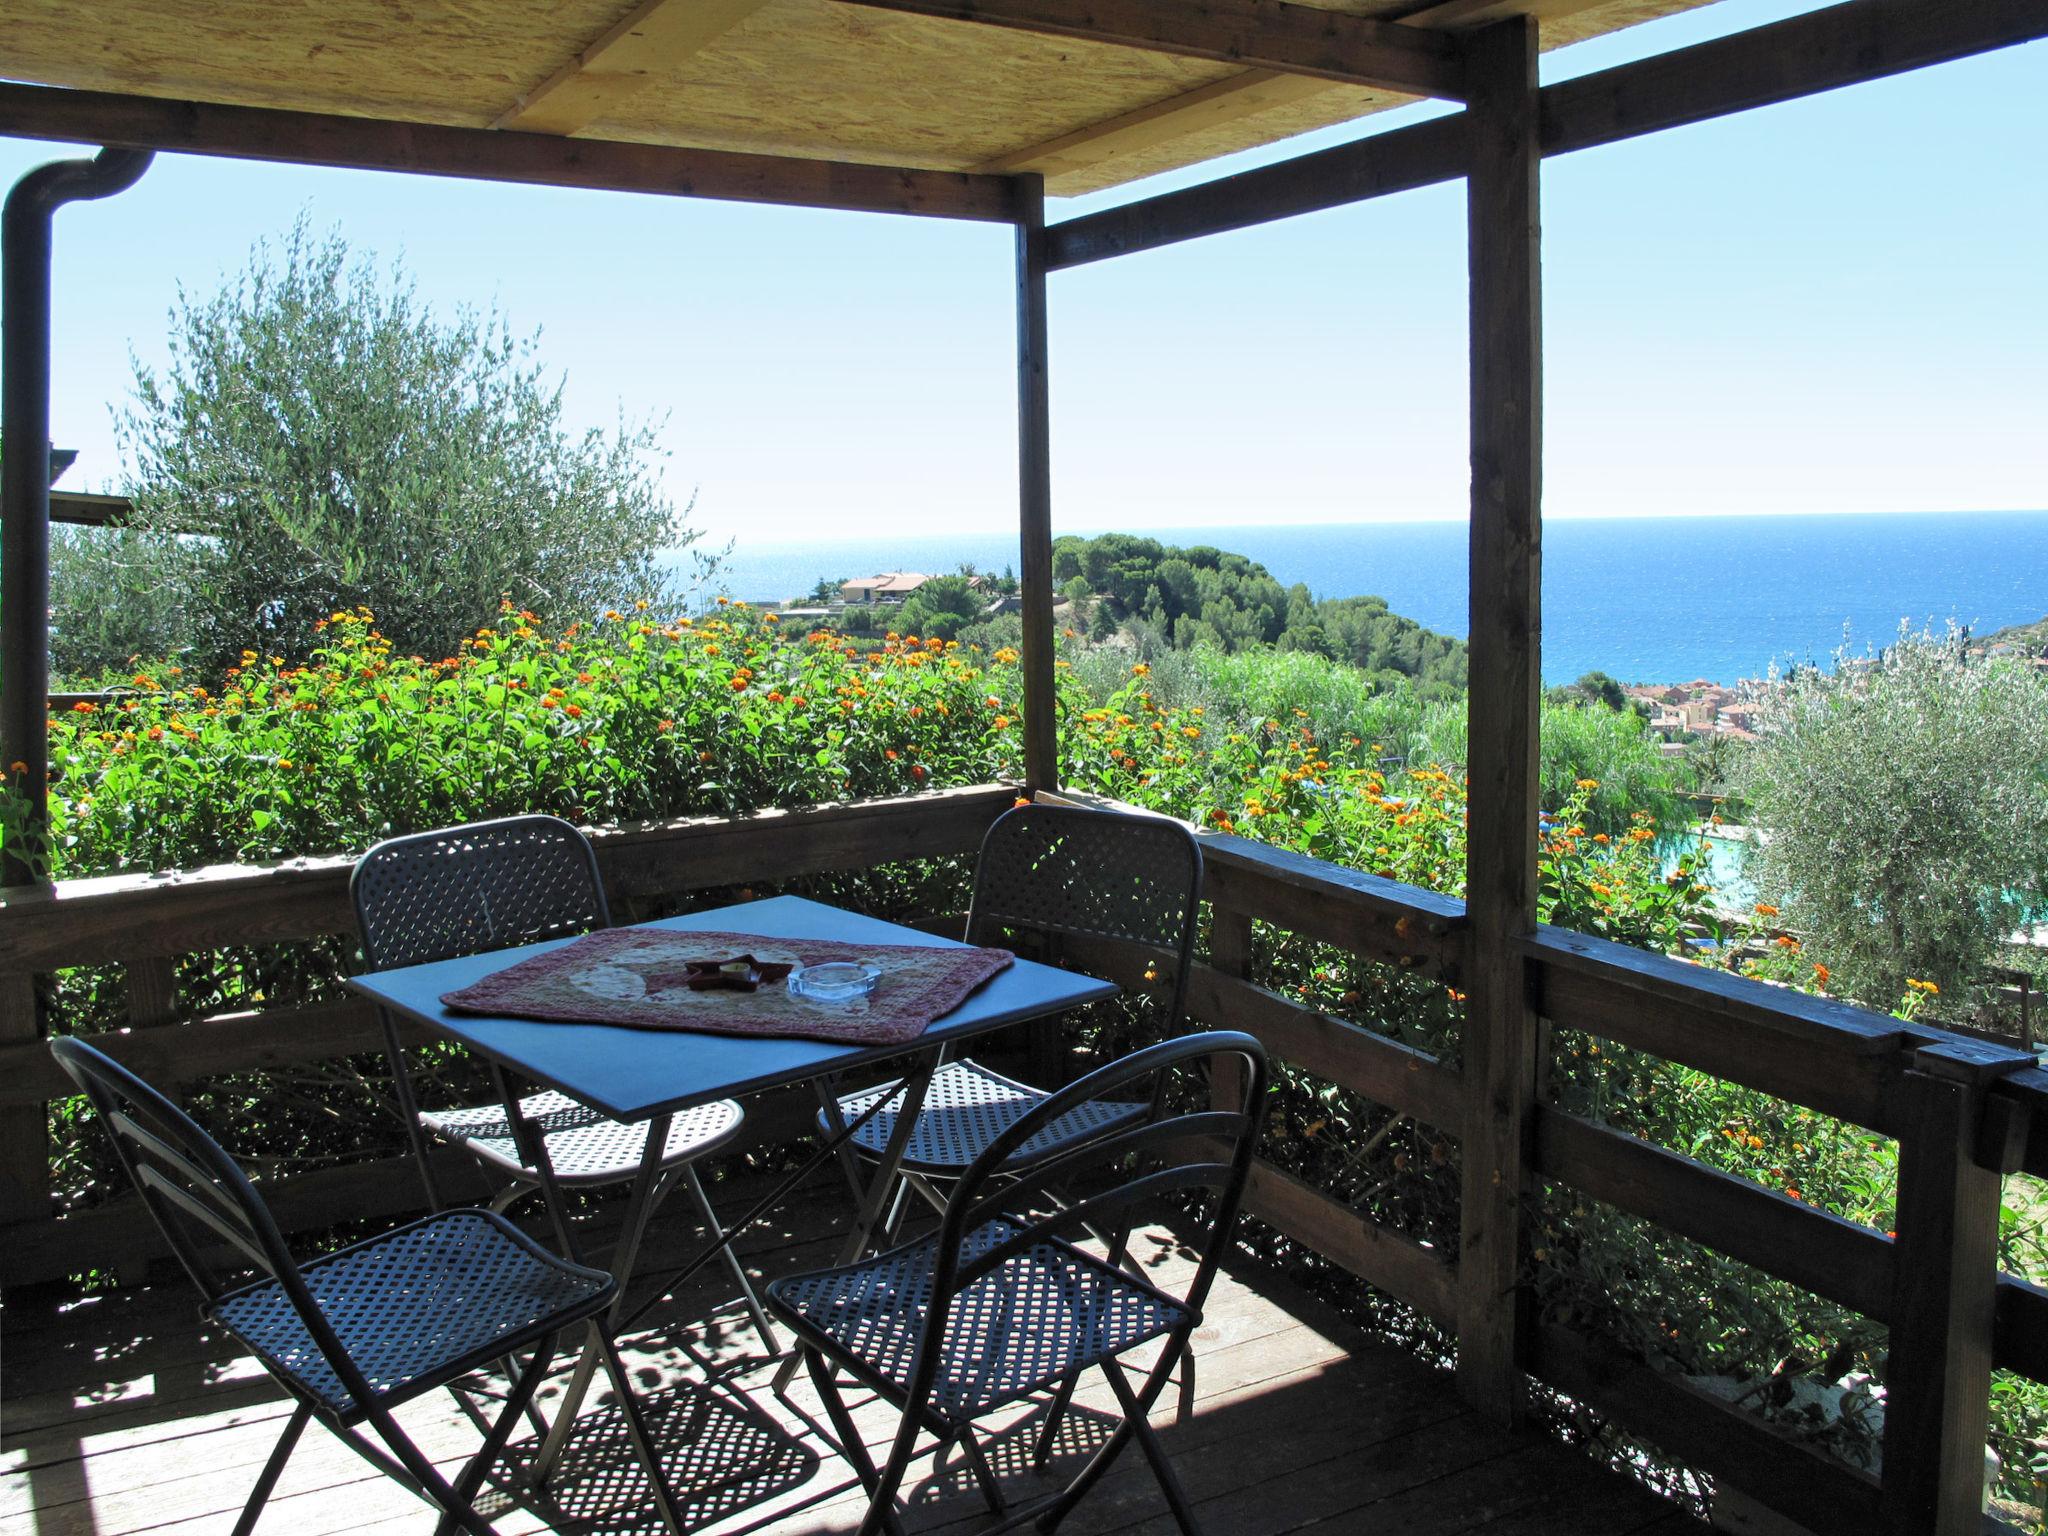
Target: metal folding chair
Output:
{"points": [[1048, 871], [354, 1333], [999, 1305], [494, 885]]}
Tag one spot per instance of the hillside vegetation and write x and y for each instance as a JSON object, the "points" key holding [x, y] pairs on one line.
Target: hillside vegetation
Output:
{"points": [[1203, 596]]}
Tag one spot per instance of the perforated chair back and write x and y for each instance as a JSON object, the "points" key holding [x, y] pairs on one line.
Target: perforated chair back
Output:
{"points": [[1056, 870], [464, 890], [990, 1218], [197, 1194]]}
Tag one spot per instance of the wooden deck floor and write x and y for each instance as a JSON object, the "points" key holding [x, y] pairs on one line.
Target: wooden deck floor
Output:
{"points": [[120, 1416]]}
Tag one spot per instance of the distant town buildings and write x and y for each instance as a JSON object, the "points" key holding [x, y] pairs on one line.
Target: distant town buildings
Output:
{"points": [[1701, 708]]}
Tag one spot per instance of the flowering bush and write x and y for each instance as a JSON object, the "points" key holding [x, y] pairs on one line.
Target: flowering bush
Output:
{"points": [[628, 718]]}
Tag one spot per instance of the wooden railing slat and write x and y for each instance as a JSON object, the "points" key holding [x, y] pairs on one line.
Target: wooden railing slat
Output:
{"points": [[1841, 1060], [1809, 1247], [259, 1040], [1387, 1072], [2019, 1337], [1392, 1261], [1809, 1486]]}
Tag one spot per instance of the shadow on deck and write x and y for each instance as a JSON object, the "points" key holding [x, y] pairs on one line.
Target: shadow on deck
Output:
{"points": [[119, 1415]]}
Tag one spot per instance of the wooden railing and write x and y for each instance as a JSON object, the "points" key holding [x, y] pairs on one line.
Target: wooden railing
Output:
{"points": [[1964, 1113], [145, 922]]}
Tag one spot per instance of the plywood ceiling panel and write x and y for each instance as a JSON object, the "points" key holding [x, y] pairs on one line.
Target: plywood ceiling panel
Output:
{"points": [[798, 77]]}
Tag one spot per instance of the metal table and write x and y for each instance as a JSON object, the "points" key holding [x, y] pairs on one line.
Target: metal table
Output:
{"points": [[636, 1075]]}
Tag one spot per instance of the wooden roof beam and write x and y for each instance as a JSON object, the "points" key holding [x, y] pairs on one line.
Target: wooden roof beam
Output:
{"points": [[1820, 51], [1445, 14], [1260, 34], [652, 40], [487, 154], [1219, 102]]}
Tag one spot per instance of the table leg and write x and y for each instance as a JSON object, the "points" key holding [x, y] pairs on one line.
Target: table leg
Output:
{"points": [[639, 1206], [827, 1089], [874, 1200]]}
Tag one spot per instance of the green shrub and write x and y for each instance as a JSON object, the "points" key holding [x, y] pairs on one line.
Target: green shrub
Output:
{"points": [[335, 443], [1906, 807]]}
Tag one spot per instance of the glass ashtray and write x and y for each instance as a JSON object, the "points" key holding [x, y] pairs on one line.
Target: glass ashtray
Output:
{"points": [[838, 981]]}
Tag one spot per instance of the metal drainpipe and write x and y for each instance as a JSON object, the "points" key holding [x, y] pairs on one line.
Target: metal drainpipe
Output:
{"points": [[25, 230]]}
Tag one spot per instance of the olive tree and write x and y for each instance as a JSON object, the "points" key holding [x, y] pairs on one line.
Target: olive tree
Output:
{"points": [[320, 438], [1903, 805]]}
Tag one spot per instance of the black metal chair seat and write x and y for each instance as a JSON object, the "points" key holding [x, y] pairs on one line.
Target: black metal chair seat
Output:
{"points": [[1040, 1316], [584, 1146], [415, 1308], [965, 1109]]}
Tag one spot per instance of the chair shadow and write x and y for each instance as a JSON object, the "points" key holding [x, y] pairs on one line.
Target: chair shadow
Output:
{"points": [[722, 1458], [1011, 1456]]}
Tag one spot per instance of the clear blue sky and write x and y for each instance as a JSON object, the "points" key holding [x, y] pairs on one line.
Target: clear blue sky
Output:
{"points": [[1835, 305]]}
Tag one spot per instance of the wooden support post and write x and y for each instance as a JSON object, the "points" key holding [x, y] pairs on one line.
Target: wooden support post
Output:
{"points": [[1954, 1150], [1034, 490], [1501, 1032]]}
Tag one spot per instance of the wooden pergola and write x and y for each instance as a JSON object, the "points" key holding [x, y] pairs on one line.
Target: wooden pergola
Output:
{"points": [[978, 109]]}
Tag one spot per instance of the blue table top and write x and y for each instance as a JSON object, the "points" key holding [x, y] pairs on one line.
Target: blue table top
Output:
{"points": [[635, 1074]]}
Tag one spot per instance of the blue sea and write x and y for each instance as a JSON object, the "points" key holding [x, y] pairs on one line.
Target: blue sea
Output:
{"points": [[1649, 599]]}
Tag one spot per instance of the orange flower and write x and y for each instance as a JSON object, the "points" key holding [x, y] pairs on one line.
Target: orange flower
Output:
{"points": [[1765, 909], [889, 753], [917, 770], [738, 685], [664, 726], [1821, 975], [573, 711], [84, 707], [1002, 722]]}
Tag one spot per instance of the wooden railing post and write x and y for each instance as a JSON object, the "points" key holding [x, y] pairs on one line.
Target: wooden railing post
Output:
{"points": [[1230, 951], [1501, 1030], [24, 1128], [1955, 1147], [152, 991]]}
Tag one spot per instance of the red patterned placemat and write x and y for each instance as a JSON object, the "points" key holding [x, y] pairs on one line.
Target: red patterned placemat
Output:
{"points": [[634, 976]]}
